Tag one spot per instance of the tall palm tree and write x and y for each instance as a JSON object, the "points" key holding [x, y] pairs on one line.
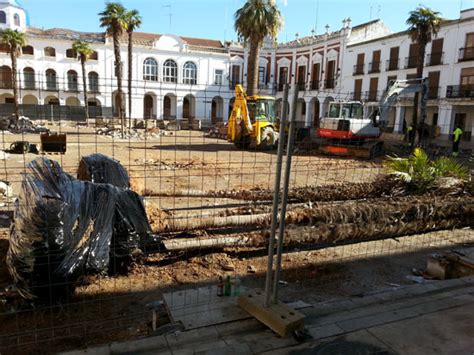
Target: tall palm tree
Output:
{"points": [[14, 40], [256, 20], [423, 24], [114, 21], [83, 52], [134, 21]]}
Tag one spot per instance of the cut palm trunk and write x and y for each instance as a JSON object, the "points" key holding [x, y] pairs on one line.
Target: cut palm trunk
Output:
{"points": [[390, 211]]}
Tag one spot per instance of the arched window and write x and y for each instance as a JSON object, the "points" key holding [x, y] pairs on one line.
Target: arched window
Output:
{"points": [[16, 20], [150, 69], [71, 53], [29, 78], [94, 56], [50, 52], [189, 73], [28, 50], [93, 82], [170, 71], [51, 83], [3, 17], [5, 77], [72, 80]]}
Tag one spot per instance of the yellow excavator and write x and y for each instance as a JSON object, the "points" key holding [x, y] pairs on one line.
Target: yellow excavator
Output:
{"points": [[253, 120]]}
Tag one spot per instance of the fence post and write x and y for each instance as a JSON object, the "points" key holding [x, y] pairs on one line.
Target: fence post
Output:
{"points": [[276, 200], [286, 184]]}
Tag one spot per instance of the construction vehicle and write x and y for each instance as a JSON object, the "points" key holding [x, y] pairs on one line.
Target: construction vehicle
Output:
{"points": [[352, 128], [252, 121]]}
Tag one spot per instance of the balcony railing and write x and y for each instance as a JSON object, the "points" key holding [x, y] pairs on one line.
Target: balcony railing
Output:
{"points": [[433, 92], [29, 85], [280, 86], [371, 96], [6, 84], [359, 69], [232, 84], [411, 62], [434, 58], [466, 53], [315, 85], [460, 91], [329, 83], [301, 86], [357, 95], [374, 67], [392, 64]]}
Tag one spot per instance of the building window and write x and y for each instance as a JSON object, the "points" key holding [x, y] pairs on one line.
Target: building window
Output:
{"points": [[29, 78], [4, 48], [28, 50], [51, 83], [261, 77], [50, 52], [170, 71], [94, 56], [189, 73], [150, 69], [3, 17], [71, 53], [16, 20], [93, 82], [218, 75], [72, 80]]}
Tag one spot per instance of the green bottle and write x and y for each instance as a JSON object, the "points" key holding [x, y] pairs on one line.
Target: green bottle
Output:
{"points": [[227, 286]]}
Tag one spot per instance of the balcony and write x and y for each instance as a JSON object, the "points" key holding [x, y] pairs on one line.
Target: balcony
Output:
{"points": [[357, 96], [433, 92], [460, 91], [392, 64], [359, 69], [5, 84], [28, 85], [281, 86], [411, 62], [374, 67], [466, 54], [315, 85], [434, 59], [371, 96], [329, 83], [301, 86]]}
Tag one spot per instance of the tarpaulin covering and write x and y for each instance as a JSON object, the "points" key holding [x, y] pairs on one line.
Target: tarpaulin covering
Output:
{"points": [[65, 228], [100, 168]]}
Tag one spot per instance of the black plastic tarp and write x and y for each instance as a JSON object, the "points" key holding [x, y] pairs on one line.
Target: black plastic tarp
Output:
{"points": [[100, 168], [65, 228]]}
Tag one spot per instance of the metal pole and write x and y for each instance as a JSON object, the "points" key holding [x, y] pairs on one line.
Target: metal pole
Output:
{"points": [[286, 184], [276, 199]]}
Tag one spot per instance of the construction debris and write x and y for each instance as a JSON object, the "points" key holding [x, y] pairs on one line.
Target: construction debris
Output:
{"points": [[76, 226]]}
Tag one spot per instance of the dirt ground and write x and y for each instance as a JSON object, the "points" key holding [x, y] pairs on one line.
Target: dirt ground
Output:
{"points": [[111, 308]]}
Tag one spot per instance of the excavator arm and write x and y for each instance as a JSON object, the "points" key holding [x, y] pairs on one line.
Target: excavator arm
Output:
{"points": [[239, 120]]}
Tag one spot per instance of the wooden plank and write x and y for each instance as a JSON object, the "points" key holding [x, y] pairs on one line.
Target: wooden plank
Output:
{"points": [[279, 317]]}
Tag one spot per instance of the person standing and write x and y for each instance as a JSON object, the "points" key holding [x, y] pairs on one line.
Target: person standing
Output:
{"points": [[457, 134]]}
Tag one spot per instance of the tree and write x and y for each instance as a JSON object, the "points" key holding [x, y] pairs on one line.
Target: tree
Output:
{"points": [[133, 20], [114, 21], [256, 20], [423, 24], [83, 52], [14, 40]]}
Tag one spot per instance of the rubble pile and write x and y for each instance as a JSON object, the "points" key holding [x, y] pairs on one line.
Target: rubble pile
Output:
{"points": [[132, 133], [65, 229], [24, 125]]}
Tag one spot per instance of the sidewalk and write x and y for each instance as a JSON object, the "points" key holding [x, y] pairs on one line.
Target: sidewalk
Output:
{"points": [[432, 318]]}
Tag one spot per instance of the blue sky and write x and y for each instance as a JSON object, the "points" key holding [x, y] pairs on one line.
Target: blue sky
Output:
{"points": [[214, 18]]}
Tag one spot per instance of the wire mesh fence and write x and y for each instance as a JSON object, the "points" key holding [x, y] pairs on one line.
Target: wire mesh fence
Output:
{"points": [[82, 266]]}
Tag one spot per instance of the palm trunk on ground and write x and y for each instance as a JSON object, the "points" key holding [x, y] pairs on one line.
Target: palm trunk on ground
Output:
{"points": [[130, 63], [252, 70], [15, 86], [84, 85], [118, 72]]}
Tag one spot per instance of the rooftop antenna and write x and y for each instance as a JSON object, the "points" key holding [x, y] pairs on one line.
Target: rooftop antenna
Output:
{"points": [[170, 14]]}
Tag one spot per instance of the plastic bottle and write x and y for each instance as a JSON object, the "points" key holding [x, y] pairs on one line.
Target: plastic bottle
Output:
{"points": [[227, 286], [220, 287]]}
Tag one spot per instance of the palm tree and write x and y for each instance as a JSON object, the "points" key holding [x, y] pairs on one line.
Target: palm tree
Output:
{"points": [[423, 24], [113, 19], [134, 20], [256, 20], [14, 41], [83, 52]]}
